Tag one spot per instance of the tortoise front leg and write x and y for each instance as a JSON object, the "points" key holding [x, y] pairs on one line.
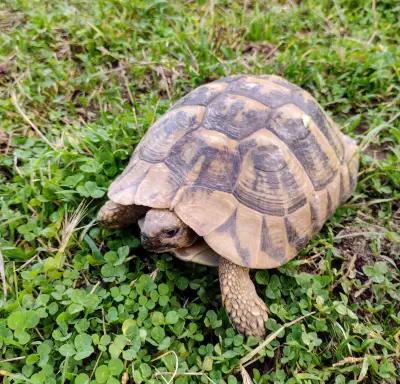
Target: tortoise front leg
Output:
{"points": [[114, 215], [245, 309]]}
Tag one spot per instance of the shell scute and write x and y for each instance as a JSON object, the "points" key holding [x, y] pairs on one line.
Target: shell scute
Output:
{"points": [[203, 95], [295, 128], [167, 131], [277, 94], [273, 242], [270, 179], [235, 116], [204, 161]]}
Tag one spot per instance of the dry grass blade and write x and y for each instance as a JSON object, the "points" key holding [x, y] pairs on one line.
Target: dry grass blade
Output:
{"points": [[153, 275], [358, 234], [358, 360], [373, 133], [28, 120], [176, 365], [125, 378], [364, 370], [16, 377], [70, 222], [176, 373], [248, 359], [26, 263], [12, 359], [95, 365], [246, 379], [162, 374], [3, 276]]}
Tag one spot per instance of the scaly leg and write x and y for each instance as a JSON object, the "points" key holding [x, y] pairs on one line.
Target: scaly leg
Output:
{"points": [[245, 309], [114, 215]]}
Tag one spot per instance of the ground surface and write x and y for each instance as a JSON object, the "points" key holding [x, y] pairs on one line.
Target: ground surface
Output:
{"points": [[80, 82]]}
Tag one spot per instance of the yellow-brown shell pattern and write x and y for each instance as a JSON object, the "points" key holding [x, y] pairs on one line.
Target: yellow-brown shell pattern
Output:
{"points": [[251, 163]]}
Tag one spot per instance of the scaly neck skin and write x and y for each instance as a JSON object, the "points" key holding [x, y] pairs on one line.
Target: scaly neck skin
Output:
{"points": [[245, 309]]}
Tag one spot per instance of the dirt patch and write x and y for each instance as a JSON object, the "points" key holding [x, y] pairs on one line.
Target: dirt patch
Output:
{"points": [[4, 68], [253, 50], [86, 113], [4, 142], [166, 79], [266, 49], [364, 246], [362, 127], [354, 247], [396, 217], [7, 66], [10, 19], [156, 77], [368, 245], [62, 47], [377, 152], [311, 264]]}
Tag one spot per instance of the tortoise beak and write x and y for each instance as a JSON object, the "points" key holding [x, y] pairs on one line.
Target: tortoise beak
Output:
{"points": [[146, 242], [154, 245]]}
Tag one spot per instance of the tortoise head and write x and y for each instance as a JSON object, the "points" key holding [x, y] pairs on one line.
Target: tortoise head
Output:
{"points": [[163, 231]]}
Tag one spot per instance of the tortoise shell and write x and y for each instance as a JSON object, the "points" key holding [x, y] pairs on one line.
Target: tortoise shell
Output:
{"points": [[250, 163]]}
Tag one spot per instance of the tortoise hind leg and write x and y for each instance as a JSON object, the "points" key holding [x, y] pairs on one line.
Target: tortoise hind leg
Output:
{"points": [[114, 215], [245, 309]]}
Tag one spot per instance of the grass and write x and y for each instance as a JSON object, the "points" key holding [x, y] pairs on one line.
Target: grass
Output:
{"points": [[80, 82]]}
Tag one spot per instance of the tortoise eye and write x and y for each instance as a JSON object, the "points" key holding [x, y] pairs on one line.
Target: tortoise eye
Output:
{"points": [[171, 232]]}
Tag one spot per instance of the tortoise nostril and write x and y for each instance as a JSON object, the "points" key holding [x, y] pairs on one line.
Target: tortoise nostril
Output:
{"points": [[144, 237]]}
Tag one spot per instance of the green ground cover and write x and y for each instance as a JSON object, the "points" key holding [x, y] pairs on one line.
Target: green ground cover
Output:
{"points": [[80, 82]]}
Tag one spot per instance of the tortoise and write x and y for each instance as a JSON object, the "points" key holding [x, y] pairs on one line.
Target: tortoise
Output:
{"points": [[240, 173]]}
